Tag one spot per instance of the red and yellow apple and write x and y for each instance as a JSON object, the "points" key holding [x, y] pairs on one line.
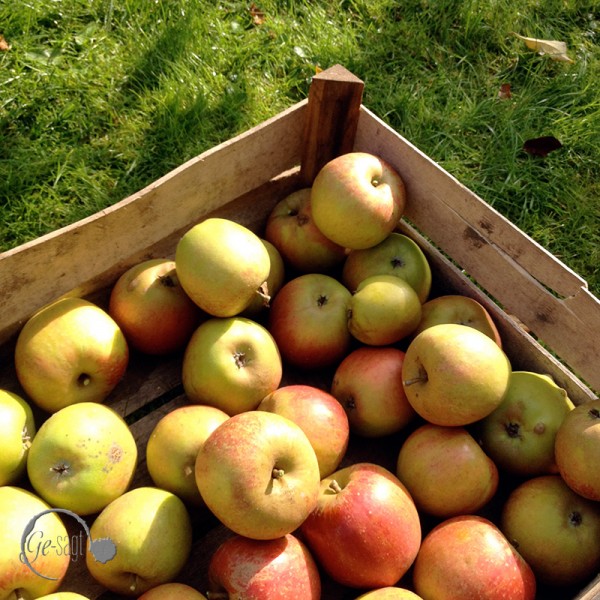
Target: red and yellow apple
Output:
{"points": [[70, 351], [291, 229], [357, 200], [368, 385], [152, 309]]}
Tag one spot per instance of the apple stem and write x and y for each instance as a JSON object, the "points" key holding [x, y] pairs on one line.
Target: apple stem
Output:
{"points": [[19, 595], [167, 280], [263, 292], [414, 380], [277, 473], [334, 486]]}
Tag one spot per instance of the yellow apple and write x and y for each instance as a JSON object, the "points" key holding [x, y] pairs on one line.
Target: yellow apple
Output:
{"points": [[45, 539], [64, 596], [222, 266], [232, 364], [389, 593], [172, 591], [83, 457], [454, 374], [357, 200], [70, 351], [152, 533], [173, 446], [17, 429], [383, 310]]}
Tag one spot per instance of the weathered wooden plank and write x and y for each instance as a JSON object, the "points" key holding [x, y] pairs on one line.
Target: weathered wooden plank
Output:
{"points": [[40, 271], [334, 101], [525, 279]]}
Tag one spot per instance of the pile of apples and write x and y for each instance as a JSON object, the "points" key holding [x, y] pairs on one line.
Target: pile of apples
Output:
{"points": [[297, 347]]}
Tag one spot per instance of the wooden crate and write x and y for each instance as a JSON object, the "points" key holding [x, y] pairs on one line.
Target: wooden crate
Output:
{"points": [[549, 321]]}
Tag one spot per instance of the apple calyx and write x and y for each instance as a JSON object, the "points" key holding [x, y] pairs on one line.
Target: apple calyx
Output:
{"points": [[350, 403], [61, 469], [513, 430], [322, 300], [240, 359], [84, 379], [334, 487], [397, 262], [575, 518], [167, 280]]}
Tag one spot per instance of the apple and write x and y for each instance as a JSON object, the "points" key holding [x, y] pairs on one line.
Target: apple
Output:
{"points": [[17, 429], [319, 415], [467, 557], [519, 435], [555, 530], [172, 591], [396, 255], [43, 546], [222, 266], [292, 230], [258, 473], [308, 319], [446, 471], [277, 569], [152, 309], [64, 596], [368, 384], [83, 457], [173, 446], [152, 533], [70, 351], [577, 449], [365, 530], [275, 281], [456, 308], [454, 374], [231, 364], [357, 200], [389, 593], [383, 310]]}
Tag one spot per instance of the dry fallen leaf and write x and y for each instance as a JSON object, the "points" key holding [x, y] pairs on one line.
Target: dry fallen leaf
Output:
{"points": [[258, 16], [504, 92], [4, 45], [541, 146], [552, 48]]}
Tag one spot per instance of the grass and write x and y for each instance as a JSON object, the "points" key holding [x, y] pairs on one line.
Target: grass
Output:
{"points": [[98, 98]]}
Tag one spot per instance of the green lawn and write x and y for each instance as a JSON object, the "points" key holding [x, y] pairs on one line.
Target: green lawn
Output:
{"points": [[100, 97]]}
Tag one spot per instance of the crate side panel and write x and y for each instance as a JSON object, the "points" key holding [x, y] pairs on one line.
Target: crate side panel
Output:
{"points": [[37, 272], [524, 278]]}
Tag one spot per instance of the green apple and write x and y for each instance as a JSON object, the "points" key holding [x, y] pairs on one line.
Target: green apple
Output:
{"points": [[357, 200], [45, 540], [222, 266], [83, 457], [172, 591], [275, 281], [319, 415], [456, 308], [152, 533], [259, 475], [17, 429], [446, 471], [368, 385], [70, 351], [152, 309], [174, 444], [554, 529], [396, 255], [519, 435], [383, 310], [454, 374], [291, 228], [577, 449], [232, 364]]}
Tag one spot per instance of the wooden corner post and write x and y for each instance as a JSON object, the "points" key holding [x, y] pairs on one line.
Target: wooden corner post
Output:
{"points": [[334, 101]]}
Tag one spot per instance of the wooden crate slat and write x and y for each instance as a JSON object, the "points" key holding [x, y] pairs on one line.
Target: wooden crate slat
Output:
{"points": [[53, 265], [497, 255]]}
